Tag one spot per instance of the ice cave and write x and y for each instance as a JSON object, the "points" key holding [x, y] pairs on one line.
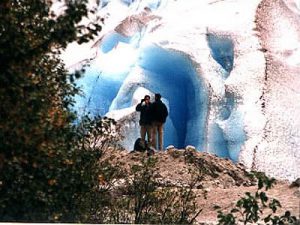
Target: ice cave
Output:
{"points": [[164, 71]]}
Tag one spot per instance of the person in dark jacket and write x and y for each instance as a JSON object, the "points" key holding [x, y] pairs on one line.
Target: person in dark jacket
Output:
{"points": [[145, 119], [159, 116]]}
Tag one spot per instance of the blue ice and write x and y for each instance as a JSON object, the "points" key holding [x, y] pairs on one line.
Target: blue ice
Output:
{"points": [[98, 89], [227, 105], [217, 142], [234, 134], [111, 41], [225, 141], [103, 3], [127, 2], [173, 75], [222, 50], [153, 4]]}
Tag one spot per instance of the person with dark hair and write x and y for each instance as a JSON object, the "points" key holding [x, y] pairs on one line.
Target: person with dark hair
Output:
{"points": [[145, 108], [159, 116]]}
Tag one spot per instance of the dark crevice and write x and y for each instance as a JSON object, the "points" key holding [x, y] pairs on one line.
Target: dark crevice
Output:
{"points": [[222, 50]]}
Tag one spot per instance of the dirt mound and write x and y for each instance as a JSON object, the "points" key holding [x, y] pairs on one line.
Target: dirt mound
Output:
{"points": [[175, 168], [222, 182]]}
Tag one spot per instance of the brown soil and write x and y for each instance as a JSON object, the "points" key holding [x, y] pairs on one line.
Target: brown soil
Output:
{"points": [[226, 199], [222, 184]]}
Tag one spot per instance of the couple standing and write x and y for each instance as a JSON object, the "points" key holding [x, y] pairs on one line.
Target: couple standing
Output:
{"points": [[152, 119]]}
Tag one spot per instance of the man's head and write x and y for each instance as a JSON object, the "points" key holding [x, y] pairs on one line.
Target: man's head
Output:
{"points": [[157, 97], [147, 98]]}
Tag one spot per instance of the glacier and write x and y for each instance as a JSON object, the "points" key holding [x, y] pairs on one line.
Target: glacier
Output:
{"points": [[228, 71]]}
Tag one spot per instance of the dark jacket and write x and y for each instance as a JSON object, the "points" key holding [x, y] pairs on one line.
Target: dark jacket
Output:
{"points": [[146, 114], [159, 111]]}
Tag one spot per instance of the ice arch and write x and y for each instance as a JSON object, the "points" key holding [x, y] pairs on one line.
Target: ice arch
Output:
{"points": [[173, 75]]}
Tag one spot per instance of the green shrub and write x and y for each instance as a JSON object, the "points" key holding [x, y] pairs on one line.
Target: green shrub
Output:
{"points": [[45, 174], [249, 209], [135, 196]]}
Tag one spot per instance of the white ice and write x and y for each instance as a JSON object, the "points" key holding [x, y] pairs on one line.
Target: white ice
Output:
{"points": [[231, 89]]}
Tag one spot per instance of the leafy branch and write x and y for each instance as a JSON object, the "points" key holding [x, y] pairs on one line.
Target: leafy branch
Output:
{"points": [[249, 209]]}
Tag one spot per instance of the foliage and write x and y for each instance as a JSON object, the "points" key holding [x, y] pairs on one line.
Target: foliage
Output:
{"points": [[49, 162], [249, 209], [135, 196], [154, 204], [99, 132], [45, 175], [107, 204]]}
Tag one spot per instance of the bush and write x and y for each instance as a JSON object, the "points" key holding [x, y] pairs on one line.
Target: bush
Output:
{"points": [[136, 197], [45, 175], [249, 209]]}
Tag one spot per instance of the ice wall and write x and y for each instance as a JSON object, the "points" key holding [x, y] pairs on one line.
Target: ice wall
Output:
{"points": [[278, 153], [226, 69], [175, 75]]}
